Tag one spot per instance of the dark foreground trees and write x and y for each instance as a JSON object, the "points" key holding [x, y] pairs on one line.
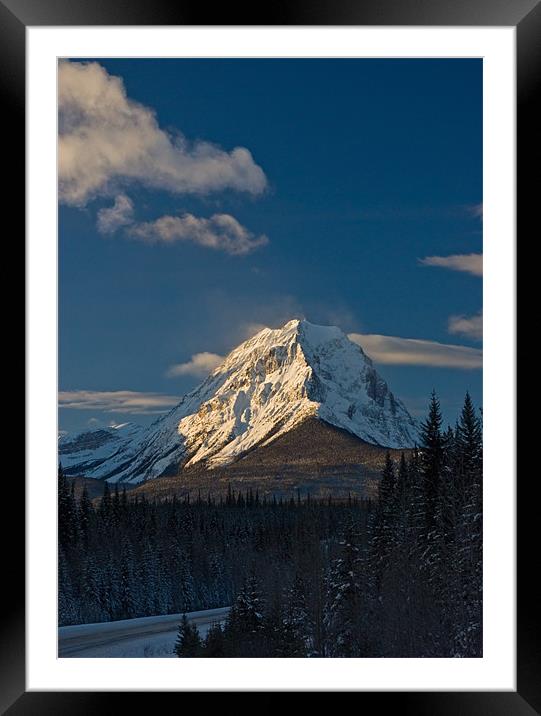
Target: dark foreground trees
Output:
{"points": [[135, 558], [398, 578], [425, 553], [188, 643]]}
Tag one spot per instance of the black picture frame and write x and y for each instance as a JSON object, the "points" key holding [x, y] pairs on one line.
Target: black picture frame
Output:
{"points": [[525, 15]]}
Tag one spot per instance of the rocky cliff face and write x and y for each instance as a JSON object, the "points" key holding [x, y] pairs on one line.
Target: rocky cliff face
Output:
{"points": [[263, 389]]}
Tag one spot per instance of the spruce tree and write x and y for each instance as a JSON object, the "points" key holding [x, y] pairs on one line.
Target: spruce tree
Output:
{"points": [[125, 585], [275, 632], [85, 512], [383, 522], [188, 643], [124, 502], [245, 624], [115, 507], [469, 438], [214, 645], [68, 606], [432, 461], [67, 518], [63, 510], [297, 624], [470, 450], [387, 483], [106, 504], [403, 487], [344, 598]]}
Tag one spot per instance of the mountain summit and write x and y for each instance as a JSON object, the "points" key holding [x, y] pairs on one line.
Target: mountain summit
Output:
{"points": [[264, 388]]}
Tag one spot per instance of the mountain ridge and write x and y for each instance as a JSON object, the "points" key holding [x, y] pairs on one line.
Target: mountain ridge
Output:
{"points": [[263, 389], [332, 462]]}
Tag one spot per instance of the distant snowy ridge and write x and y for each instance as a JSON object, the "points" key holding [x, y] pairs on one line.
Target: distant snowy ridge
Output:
{"points": [[264, 388], [86, 449]]}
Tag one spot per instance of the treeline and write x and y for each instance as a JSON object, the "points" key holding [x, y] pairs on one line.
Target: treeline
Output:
{"points": [[410, 585], [128, 558], [423, 569], [398, 578]]}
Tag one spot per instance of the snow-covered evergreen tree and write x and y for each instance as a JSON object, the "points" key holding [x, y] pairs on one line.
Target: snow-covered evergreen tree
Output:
{"points": [[297, 621], [344, 598], [245, 625]]}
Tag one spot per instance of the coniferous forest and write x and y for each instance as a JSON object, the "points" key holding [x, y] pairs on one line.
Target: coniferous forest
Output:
{"points": [[400, 576]]}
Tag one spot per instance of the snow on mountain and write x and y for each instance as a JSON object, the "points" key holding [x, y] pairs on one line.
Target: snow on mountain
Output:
{"points": [[88, 449], [266, 386]]}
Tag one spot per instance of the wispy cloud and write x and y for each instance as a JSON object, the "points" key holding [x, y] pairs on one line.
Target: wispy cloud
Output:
{"points": [[469, 263], [200, 365], [118, 215], [393, 350], [249, 330], [476, 210], [107, 140], [469, 326], [117, 401], [221, 232]]}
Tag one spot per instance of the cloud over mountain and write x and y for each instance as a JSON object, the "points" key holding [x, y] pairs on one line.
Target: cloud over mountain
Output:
{"points": [[393, 350], [116, 401], [200, 365]]}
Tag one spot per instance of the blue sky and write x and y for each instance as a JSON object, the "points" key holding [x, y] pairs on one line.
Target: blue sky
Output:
{"points": [[355, 200]]}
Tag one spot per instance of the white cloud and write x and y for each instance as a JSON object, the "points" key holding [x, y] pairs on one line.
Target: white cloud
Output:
{"points": [[393, 350], [470, 326], [118, 215], [221, 232], [200, 364], [117, 401], [107, 140], [469, 263]]}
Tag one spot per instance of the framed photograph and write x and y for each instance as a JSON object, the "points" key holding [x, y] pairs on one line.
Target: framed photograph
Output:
{"points": [[271, 354]]}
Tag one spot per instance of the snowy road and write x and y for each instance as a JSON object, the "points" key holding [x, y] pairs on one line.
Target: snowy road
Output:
{"points": [[143, 637]]}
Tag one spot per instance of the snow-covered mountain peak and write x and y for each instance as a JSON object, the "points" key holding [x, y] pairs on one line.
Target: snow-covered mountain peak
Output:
{"points": [[266, 386], [310, 338]]}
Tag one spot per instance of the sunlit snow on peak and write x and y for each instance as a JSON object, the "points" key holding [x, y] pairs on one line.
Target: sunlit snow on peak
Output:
{"points": [[265, 387]]}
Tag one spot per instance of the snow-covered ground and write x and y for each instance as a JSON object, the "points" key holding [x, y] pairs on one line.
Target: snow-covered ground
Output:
{"points": [[146, 637]]}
